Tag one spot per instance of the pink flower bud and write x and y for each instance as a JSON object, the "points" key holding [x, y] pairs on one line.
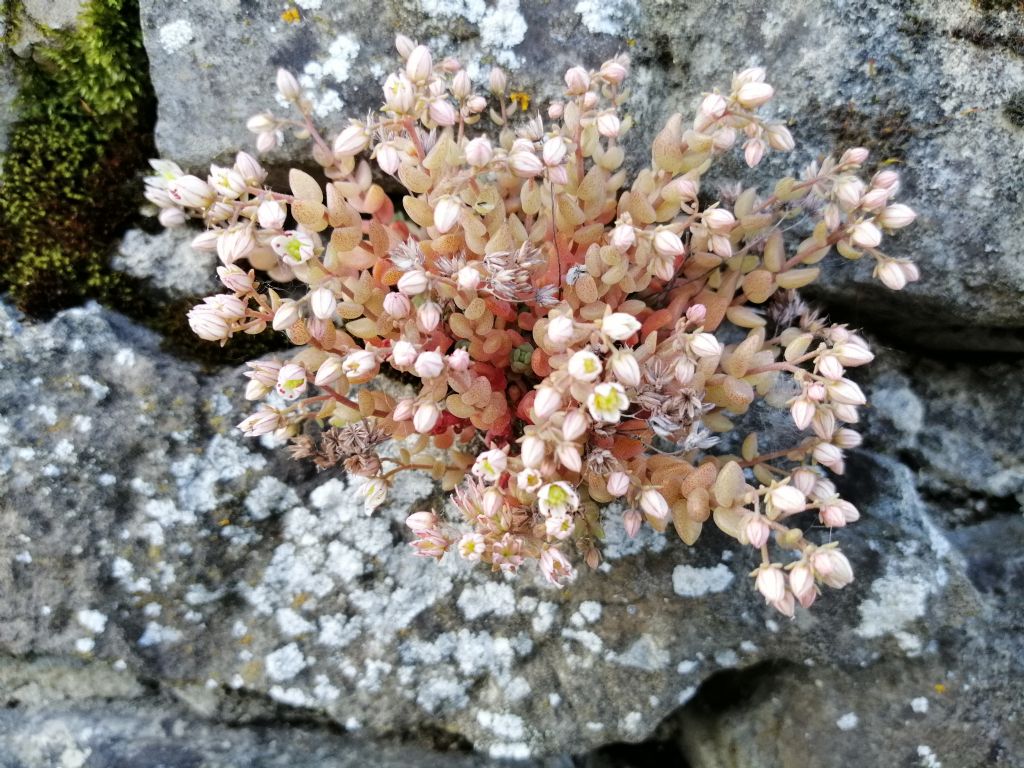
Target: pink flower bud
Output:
{"points": [[608, 125], [468, 278], [753, 152], [459, 360], [852, 355], [771, 583], [497, 81], [723, 139], [631, 521], [419, 66], [351, 141], [554, 151], [847, 438], [476, 104], [249, 169], [461, 85], [756, 530], [525, 164], [256, 390], [718, 220], [887, 180], [263, 422], [623, 237], [397, 305], [801, 581], [560, 330], [910, 271], [286, 315], [802, 411], [558, 175], [684, 370], [266, 141], [714, 106], [388, 159], [236, 279], [830, 367], [654, 504], [577, 80], [804, 478], [235, 244], [329, 371], [832, 567], [568, 455], [787, 499], [750, 75], [556, 568], [830, 456], [618, 484], [849, 191], [854, 156], [428, 316], [192, 192], [261, 123], [420, 522], [403, 353], [668, 243], [209, 324], [779, 137], [575, 425], [696, 313], [404, 409], [547, 401], [323, 303], [705, 345], [171, 217], [874, 199], [479, 152], [753, 95], [442, 112], [845, 391], [619, 326], [891, 275], [426, 418], [414, 282], [625, 368], [446, 214], [404, 46], [555, 110], [429, 365], [896, 216], [271, 214], [287, 85], [533, 451], [614, 71]]}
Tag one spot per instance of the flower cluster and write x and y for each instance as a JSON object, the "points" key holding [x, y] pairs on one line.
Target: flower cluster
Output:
{"points": [[576, 338]]}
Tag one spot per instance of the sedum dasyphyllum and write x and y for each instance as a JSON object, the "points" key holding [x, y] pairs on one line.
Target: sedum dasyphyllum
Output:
{"points": [[577, 337]]}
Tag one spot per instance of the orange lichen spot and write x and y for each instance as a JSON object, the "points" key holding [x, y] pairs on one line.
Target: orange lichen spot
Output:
{"points": [[940, 688], [521, 99], [291, 16]]}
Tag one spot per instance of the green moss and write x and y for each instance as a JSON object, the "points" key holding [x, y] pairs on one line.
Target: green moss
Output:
{"points": [[85, 111]]}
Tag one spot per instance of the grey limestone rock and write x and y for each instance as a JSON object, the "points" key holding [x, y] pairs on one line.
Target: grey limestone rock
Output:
{"points": [[141, 531], [929, 87]]}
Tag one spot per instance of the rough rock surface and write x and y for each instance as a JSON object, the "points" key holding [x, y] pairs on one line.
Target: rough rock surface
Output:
{"points": [[142, 533], [932, 87], [168, 262]]}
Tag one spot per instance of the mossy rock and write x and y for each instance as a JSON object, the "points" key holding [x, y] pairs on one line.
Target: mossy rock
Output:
{"points": [[85, 110]]}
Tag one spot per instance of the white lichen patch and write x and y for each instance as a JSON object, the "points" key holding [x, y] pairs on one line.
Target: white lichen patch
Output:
{"points": [[92, 620], [285, 663], [317, 77], [928, 759], [919, 705], [486, 599], [158, 634], [847, 722], [690, 581], [897, 600], [175, 35], [502, 26], [608, 17], [644, 654], [502, 725]]}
